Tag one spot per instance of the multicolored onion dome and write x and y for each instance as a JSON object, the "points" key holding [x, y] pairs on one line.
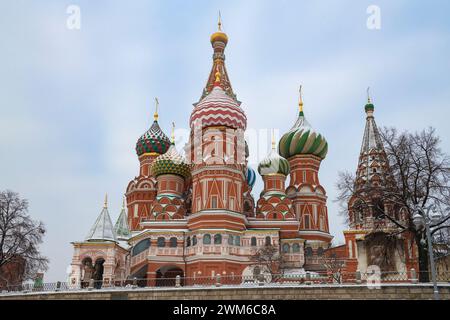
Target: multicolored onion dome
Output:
{"points": [[274, 164], [302, 139], [154, 140], [171, 162], [218, 109], [250, 175]]}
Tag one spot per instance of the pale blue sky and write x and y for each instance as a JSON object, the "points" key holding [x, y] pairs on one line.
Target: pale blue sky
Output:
{"points": [[73, 102]]}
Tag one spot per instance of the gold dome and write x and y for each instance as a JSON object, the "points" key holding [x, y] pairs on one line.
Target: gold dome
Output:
{"points": [[219, 36]]}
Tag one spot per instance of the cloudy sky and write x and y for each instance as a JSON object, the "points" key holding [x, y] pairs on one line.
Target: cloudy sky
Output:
{"points": [[73, 102]]}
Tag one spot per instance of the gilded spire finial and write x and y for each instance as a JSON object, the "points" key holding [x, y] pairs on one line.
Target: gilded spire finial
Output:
{"points": [[173, 133], [368, 95], [300, 100], [273, 140], [155, 115], [219, 22], [105, 205]]}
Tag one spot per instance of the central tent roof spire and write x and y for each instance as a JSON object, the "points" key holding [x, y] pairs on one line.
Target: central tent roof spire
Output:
{"points": [[219, 40]]}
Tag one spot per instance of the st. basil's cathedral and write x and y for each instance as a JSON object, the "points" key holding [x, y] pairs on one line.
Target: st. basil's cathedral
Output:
{"points": [[195, 215]]}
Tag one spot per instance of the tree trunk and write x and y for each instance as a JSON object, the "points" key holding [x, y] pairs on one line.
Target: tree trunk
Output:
{"points": [[423, 259]]}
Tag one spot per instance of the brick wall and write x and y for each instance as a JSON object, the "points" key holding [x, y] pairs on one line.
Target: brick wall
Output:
{"points": [[417, 291]]}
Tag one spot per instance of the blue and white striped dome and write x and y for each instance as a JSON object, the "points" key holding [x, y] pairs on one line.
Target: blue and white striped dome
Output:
{"points": [[250, 174]]}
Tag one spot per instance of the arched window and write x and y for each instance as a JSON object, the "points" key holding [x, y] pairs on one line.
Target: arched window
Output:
{"points": [[268, 241], [188, 241], [194, 240], [230, 239], [161, 242], [308, 251], [378, 208], [140, 246], [237, 241], [296, 248], [173, 242], [207, 239], [217, 239], [253, 242], [320, 251], [286, 248]]}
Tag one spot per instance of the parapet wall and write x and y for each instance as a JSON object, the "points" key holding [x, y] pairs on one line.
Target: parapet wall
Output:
{"points": [[399, 291]]}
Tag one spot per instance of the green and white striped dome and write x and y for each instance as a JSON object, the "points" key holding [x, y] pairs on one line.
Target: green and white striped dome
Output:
{"points": [[274, 164], [302, 139]]}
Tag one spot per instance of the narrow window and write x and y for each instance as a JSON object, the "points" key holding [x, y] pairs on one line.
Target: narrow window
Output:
{"points": [[307, 222], [217, 239], [161, 242], [232, 204], [214, 202], [207, 239]]}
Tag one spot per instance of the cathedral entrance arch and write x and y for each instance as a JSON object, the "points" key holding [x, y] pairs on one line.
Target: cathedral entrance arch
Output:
{"points": [[98, 273], [87, 271], [166, 276]]}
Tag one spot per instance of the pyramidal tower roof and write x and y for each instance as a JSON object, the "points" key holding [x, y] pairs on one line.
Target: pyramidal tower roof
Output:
{"points": [[371, 139], [102, 230], [121, 227], [373, 166]]}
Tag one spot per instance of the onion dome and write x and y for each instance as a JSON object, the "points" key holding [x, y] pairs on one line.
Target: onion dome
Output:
{"points": [[274, 163], [250, 176], [369, 107], [302, 139], [218, 109], [171, 162], [154, 140]]}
